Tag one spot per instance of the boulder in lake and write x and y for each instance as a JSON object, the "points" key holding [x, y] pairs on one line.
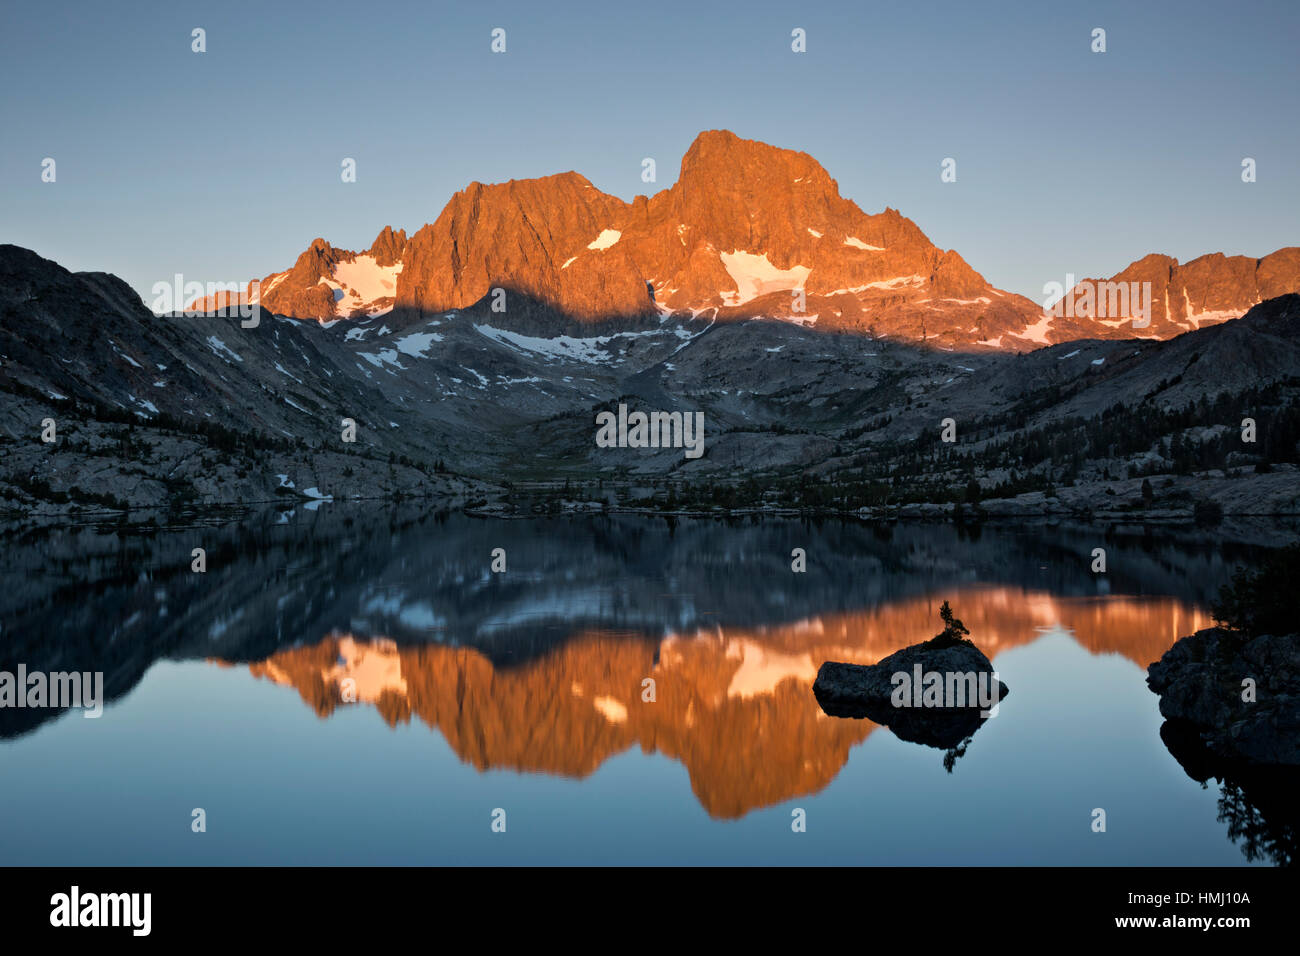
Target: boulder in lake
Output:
{"points": [[1241, 693], [936, 693]]}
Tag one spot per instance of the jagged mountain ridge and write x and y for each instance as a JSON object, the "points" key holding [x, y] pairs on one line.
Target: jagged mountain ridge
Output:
{"points": [[1205, 291], [744, 226]]}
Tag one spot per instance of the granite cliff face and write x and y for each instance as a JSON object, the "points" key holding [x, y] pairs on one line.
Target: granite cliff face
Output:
{"points": [[747, 230], [1176, 298], [531, 236]]}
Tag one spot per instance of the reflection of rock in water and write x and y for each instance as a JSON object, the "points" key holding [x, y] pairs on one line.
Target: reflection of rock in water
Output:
{"points": [[95, 597], [1231, 699], [1242, 691], [936, 693], [1258, 804]]}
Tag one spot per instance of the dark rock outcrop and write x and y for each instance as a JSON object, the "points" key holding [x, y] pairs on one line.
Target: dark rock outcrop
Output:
{"points": [[1202, 681], [942, 713]]}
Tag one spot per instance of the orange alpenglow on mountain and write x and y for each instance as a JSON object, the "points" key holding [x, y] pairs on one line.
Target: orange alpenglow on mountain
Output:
{"points": [[747, 230], [734, 705]]}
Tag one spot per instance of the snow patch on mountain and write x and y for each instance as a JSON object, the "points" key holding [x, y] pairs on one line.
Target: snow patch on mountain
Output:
{"points": [[606, 239], [1037, 332], [562, 347], [123, 354], [417, 343], [256, 297], [359, 285], [592, 349], [756, 275], [897, 282], [220, 349], [384, 357], [1198, 319]]}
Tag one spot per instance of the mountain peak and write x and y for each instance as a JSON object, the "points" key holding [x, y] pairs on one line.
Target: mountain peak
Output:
{"points": [[749, 229], [720, 156], [388, 247], [708, 137]]}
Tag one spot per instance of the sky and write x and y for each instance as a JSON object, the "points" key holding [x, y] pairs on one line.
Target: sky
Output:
{"points": [[224, 165]]}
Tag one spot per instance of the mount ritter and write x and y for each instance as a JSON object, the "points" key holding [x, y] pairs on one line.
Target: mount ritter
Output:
{"points": [[826, 348]]}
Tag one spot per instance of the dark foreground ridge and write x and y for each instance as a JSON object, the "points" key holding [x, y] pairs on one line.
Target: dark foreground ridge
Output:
{"points": [[106, 406]]}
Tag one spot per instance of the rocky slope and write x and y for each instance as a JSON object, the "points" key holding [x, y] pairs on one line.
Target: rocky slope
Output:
{"points": [[147, 410], [152, 409]]}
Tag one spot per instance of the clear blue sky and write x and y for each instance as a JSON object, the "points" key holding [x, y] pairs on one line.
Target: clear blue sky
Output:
{"points": [[224, 165]]}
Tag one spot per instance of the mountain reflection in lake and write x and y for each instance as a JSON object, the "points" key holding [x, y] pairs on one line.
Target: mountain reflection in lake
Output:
{"points": [[436, 691]]}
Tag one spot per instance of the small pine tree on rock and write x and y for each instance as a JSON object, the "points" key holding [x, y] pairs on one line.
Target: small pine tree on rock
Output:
{"points": [[954, 631]]}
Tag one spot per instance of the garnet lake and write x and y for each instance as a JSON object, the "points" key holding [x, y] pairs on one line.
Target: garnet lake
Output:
{"points": [[357, 685]]}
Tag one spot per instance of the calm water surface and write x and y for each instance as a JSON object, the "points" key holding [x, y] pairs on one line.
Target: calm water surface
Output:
{"points": [[523, 691]]}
